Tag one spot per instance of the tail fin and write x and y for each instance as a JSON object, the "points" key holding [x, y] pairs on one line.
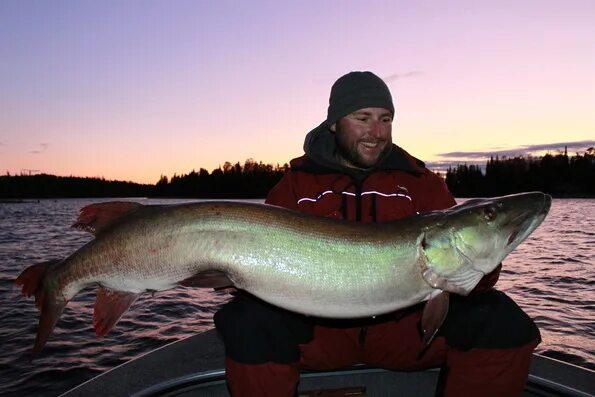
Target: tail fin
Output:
{"points": [[48, 300]]}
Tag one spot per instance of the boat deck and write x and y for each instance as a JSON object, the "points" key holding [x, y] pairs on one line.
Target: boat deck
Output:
{"points": [[194, 366]]}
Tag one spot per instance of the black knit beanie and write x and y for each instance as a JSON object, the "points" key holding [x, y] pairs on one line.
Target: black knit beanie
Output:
{"points": [[357, 90]]}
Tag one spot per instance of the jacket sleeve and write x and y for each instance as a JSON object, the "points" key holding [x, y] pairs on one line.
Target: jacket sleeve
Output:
{"points": [[283, 193]]}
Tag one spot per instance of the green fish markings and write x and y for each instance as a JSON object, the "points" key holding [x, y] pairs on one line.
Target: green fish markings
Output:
{"points": [[311, 265]]}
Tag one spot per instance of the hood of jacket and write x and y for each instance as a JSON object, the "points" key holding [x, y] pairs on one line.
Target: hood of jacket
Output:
{"points": [[321, 157]]}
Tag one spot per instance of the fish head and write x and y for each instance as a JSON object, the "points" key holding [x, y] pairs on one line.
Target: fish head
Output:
{"points": [[471, 239]]}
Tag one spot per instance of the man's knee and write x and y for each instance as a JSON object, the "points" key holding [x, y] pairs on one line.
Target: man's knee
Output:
{"points": [[255, 332], [489, 320]]}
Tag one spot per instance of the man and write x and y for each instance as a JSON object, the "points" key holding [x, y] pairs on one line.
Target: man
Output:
{"points": [[351, 170]]}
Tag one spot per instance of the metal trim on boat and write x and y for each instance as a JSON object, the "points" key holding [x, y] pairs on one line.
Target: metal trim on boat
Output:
{"points": [[196, 363], [536, 385]]}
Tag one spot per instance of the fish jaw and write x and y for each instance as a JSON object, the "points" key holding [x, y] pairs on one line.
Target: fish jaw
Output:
{"points": [[475, 237]]}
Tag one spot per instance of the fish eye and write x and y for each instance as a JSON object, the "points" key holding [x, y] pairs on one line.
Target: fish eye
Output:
{"points": [[490, 213]]}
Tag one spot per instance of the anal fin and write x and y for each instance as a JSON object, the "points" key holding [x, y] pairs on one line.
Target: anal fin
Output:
{"points": [[109, 307]]}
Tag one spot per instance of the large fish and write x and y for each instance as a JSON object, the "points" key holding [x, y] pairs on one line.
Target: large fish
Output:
{"points": [[311, 265]]}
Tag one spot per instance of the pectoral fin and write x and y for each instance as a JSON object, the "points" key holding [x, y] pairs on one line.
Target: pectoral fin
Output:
{"points": [[109, 307], [432, 318], [461, 282]]}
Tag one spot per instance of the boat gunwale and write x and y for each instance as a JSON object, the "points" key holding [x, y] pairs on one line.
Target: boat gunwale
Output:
{"points": [[540, 380], [535, 383]]}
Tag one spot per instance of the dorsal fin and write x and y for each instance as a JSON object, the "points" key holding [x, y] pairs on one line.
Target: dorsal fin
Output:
{"points": [[94, 218]]}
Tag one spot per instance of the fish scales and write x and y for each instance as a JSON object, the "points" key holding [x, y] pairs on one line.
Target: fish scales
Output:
{"points": [[301, 268], [311, 265]]}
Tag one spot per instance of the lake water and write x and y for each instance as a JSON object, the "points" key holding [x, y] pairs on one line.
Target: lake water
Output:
{"points": [[551, 276]]}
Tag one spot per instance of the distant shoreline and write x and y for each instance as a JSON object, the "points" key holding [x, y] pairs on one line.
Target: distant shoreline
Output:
{"points": [[18, 201], [561, 176]]}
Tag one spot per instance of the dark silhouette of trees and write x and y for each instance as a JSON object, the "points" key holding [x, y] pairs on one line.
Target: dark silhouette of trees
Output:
{"points": [[251, 180], [467, 180], [51, 186], [558, 175]]}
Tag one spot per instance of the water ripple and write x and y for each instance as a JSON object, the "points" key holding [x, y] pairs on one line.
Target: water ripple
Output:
{"points": [[551, 276]]}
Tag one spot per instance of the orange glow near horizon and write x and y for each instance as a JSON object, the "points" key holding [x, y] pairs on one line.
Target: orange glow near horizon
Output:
{"points": [[169, 88]]}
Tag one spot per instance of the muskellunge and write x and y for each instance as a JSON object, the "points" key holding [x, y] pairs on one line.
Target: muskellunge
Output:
{"points": [[311, 265]]}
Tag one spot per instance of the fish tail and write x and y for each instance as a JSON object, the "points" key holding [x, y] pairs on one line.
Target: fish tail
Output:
{"points": [[34, 282], [31, 280]]}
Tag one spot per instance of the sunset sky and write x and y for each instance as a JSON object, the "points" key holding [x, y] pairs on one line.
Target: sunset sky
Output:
{"points": [[132, 90]]}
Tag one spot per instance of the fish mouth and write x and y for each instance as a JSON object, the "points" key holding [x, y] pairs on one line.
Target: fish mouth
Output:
{"points": [[547, 204], [525, 225], [512, 237]]}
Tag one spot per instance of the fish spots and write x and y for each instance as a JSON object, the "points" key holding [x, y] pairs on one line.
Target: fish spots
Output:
{"points": [[160, 247], [217, 245], [117, 257]]}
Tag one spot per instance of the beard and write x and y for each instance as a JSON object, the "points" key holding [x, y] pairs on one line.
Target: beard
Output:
{"points": [[351, 156]]}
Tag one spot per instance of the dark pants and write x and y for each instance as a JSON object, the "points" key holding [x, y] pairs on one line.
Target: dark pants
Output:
{"points": [[484, 346]]}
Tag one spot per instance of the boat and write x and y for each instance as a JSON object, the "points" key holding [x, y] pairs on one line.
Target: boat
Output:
{"points": [[194, 367]]}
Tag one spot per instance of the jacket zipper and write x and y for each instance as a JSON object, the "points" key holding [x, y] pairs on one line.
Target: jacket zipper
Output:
{"points": [[358, 217], [358, 201]]}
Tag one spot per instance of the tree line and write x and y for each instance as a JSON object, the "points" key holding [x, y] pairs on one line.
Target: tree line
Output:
{"points": [[252, 180], [558, 175], [52, 186]]}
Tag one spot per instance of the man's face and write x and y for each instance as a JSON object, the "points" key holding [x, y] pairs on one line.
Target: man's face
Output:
{"points": [[363, 137]]}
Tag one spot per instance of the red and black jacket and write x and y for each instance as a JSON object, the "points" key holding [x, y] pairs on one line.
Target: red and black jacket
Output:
{"points": [[401, 186]]}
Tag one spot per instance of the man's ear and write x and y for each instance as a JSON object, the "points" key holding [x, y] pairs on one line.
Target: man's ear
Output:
{"points": [[333, 127]]}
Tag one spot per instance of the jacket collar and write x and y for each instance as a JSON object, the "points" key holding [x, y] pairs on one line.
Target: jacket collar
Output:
{"points": [[320, 157]]}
